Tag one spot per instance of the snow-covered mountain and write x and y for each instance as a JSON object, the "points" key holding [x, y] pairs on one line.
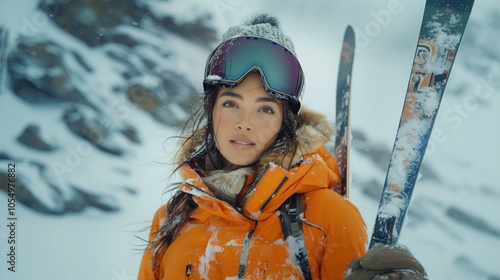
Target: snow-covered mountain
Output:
{"points": [[91, 91]]}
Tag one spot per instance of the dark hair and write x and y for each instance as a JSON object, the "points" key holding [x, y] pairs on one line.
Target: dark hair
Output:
{"points": [[181, 204]]}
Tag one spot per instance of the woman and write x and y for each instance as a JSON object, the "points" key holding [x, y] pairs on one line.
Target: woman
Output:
{"points": [[257, 201]]}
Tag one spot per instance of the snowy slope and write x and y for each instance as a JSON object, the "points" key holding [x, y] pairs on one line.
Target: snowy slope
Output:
{"points": [[452, 228]]}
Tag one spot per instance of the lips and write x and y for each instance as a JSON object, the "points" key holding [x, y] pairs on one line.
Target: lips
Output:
{"points": [[242, 143]]}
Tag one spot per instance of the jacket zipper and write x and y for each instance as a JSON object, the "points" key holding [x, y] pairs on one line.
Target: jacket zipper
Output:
{"points": [[251, 189], [254, 184], [244, 252]]}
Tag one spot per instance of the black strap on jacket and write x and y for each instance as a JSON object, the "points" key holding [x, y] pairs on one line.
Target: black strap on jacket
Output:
{"points": [[291, 224]]}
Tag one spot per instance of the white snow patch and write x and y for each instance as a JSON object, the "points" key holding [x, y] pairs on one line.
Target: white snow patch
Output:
{"points": [[214, 77]]}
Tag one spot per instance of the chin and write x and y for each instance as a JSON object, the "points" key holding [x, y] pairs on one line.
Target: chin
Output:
{"points": [[238, 164]]}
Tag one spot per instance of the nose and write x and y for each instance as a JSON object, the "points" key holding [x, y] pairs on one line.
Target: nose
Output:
{"points": [[244, 126], [245, 123]]}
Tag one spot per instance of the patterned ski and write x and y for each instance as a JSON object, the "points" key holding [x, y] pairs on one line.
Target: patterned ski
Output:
{"points": [[342, 122], [443, 25]]}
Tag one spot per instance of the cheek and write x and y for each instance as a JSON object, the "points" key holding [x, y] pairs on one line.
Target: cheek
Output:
{"points": [[220, 123], [268, 131]]}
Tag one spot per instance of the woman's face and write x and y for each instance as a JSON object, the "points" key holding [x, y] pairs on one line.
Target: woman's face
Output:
{"points": [[246, 121]]}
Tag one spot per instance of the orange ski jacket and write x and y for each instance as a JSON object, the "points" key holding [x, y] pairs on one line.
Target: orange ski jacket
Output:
{"points": [[222, 242]]}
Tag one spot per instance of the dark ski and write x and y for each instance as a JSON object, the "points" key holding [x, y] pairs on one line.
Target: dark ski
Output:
{"points": [[443, 25], [342, 121]]}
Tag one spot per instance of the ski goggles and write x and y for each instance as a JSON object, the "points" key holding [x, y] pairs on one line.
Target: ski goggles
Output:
{"points": [[280, 70]]}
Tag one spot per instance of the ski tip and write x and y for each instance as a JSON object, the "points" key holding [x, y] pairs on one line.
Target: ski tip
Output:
{"points": [[349, 30], [349, 37]]}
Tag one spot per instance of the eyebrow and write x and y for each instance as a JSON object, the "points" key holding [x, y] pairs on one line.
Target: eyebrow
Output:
{"points": [[232, 94], [239, 96], [267, 99]]}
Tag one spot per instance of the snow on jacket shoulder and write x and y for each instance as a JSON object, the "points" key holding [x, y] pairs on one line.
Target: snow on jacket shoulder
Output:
{"points": [[221, 242]]}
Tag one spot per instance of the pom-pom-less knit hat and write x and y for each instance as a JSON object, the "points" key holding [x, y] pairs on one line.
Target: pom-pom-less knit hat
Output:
{"points": [[266, 27], [263, 26]]}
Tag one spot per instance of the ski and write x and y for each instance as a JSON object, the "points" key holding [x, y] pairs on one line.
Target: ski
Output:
{"points": [[342, 121], [443, 25]]}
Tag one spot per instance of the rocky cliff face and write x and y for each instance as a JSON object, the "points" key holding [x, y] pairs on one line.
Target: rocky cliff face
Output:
{"points": [[58, 67]]}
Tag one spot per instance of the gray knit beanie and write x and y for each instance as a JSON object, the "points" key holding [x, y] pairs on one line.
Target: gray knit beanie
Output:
{"points": [[263, 26]]}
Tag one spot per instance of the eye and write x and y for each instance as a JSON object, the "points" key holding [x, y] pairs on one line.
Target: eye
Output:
{"points": [[229, 104], [267, 110]]}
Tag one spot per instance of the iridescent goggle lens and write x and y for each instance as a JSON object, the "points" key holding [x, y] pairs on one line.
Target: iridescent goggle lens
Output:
{"points": [[280, 70]]}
